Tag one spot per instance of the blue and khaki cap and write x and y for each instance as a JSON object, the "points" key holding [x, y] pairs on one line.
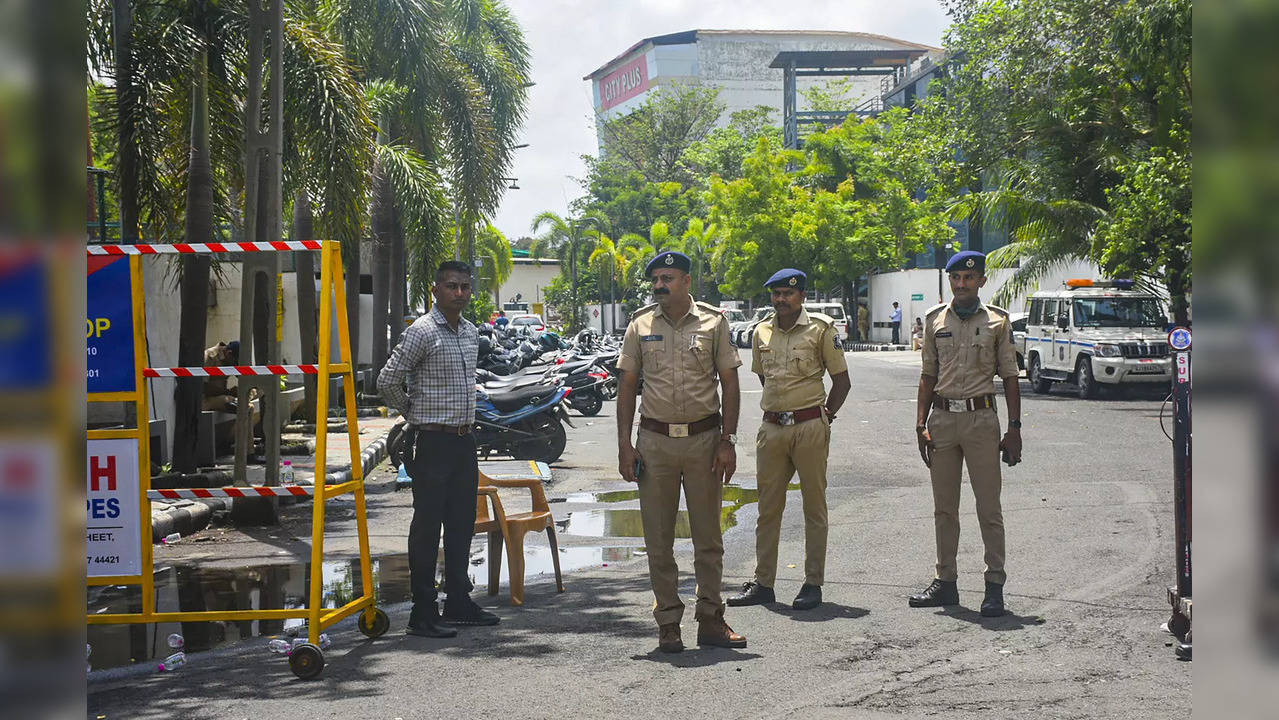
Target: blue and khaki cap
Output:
{"points": [[787, 277], [668, 259], [967, 260]]}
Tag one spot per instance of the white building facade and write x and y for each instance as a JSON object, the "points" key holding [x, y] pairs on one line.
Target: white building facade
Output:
{"points": [[735, 61]]}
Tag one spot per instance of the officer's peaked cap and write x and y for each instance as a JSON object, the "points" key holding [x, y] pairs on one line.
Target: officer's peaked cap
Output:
{"points": [[787, 277], [967, 260], [668, 259]]}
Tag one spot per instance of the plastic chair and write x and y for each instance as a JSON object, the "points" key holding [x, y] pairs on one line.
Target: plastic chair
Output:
{"points": [[512, 527]]}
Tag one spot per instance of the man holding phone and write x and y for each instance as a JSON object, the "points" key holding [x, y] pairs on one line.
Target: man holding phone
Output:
{"points": [[686, 439], [966, 344]]}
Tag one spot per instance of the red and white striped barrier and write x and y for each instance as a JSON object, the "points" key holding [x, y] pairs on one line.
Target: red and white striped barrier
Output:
{"points": [[235, 492], [180, 248], [229, 370]]}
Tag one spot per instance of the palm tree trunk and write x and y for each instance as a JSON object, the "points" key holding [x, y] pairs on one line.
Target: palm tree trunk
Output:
{"points": [[308, 318], [399, 278], [383, 220], [193, 318], [126, 149], [353, 308]]}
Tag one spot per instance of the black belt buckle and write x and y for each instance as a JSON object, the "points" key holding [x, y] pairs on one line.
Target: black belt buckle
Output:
{"points": [[786, 418]]}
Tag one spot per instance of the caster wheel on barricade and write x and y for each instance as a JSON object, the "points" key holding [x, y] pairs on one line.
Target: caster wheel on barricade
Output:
{"points": [[381, 623], [306, 661]]}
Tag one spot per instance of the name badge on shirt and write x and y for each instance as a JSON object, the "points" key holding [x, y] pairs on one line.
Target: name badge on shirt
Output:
{"points": [[946, 333], [650, 338]]}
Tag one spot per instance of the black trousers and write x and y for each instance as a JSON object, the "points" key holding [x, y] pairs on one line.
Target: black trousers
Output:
{"points": [[445, 479]]}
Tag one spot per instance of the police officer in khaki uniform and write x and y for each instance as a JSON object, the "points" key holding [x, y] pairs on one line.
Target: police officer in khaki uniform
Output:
{"points": [[790, 353], [967, 343], [680, 347]]}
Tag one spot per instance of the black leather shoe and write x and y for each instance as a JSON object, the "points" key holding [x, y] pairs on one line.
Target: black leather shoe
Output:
{"points": [[993, 604], [809, 597], [468, 613], [938, 594], [752, 594], [430, 628]]}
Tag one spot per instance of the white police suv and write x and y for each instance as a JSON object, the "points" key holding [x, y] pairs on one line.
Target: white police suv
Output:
{"points": [[1094, 333]]}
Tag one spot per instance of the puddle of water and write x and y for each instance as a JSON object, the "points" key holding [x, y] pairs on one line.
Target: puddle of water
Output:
{"points": [[626, 522], [190, 588]]}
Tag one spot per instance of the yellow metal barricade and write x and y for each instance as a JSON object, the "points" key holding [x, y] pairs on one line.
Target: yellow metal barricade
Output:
{"points": [[306, 660]]}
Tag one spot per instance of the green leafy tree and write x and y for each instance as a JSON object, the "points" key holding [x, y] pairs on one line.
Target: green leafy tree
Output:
{"points": [[652, 139], [1063, 106]]}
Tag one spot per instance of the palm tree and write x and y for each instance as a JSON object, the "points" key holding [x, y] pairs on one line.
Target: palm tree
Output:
{"points": [[612, 258], [180, 110], [494, 253], [461, 70], [1046, 235], [565, 237], [699, 242]]}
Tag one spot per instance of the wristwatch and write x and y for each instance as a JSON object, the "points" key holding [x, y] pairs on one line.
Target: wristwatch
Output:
{"points": [[1014, 424], [730, 438]]}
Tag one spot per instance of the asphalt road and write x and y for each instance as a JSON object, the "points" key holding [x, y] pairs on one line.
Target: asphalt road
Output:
{"points": [[1089, 530]]}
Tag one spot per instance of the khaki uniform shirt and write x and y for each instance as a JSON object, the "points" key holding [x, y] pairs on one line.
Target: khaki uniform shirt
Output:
{"points": [[793, 361], [965, 355], [679, 362]]}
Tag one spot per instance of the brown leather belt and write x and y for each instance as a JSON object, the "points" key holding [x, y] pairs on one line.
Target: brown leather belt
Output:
{"points": [[677, 430], [791, 417], [450, 429], [980, 402]]}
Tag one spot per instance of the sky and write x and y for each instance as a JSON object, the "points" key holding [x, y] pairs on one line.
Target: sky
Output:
{"points": [[570, 38]]}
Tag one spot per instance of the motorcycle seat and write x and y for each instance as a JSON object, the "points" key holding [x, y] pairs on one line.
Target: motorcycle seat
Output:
{"points": [[507, 400]]}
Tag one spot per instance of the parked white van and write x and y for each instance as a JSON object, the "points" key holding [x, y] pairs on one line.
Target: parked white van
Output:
{"points": [[835, 312], [1095, 333]]}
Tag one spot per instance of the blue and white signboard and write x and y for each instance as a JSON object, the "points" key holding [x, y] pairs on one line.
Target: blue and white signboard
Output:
{"points": [[109, 365], [1179, 338]]}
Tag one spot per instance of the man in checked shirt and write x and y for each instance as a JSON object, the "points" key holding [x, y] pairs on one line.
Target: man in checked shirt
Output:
{"points": [[436, 357]]}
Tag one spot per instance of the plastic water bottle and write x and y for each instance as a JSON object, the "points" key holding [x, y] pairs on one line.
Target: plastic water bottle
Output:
{"points": [[173, 662], [279, 647], [402, 475], [286, 473], [171, 539], [176, 641], [325, 642]]}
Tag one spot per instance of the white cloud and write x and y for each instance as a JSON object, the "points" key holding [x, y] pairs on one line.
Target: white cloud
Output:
{"points": [[570, 38]]}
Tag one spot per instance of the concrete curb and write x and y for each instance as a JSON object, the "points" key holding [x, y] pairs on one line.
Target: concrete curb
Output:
{"points": [[190, 516]]}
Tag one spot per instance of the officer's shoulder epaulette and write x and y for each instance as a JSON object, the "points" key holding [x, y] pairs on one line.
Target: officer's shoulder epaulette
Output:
{"points": [[646, 309], [707, 306], [998, 311], [935, 309], [767, 318], [821, 318]]}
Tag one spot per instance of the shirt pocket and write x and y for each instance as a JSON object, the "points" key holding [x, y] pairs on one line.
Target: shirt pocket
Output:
{"points": [[652, 357], [768, 361], [700, 352], [947, 350], [807, 359], [984, 348]]}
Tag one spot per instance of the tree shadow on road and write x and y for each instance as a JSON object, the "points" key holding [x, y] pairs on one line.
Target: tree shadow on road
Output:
{"points": [[1004, 623]]}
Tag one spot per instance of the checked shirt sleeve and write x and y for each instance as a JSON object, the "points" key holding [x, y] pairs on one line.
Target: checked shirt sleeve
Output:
{"points": [[407, 355]]}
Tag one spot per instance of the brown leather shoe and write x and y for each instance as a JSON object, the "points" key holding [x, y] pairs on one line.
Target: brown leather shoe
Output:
{"points": [[715, 632], [668, 640]]}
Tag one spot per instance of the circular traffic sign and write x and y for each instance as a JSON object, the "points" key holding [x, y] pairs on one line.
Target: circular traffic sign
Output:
{"points": [[1179, 338]]}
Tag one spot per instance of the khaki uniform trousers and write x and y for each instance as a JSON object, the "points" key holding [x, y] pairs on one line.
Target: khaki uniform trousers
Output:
{"points": [[669, 464], [971, 437], [780, 451]]}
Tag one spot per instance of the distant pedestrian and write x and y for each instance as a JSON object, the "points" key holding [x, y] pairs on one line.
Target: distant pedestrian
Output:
{"points": [[502, 320], [682, 351], [917, 334], [436, 358], [863, 321], [966, 344], [792, 352], [896, 319]]}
